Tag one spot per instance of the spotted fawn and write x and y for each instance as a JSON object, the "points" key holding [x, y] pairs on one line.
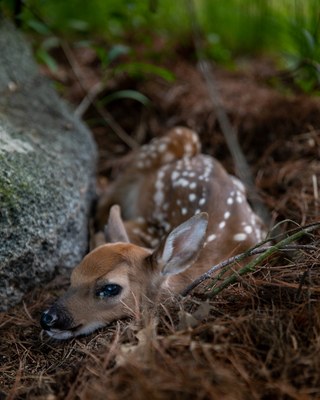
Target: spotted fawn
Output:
{"points": [[181, 214]]}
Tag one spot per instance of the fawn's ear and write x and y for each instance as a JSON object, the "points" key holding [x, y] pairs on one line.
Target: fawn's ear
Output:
{"points": [[115, 230], [181, 247]]}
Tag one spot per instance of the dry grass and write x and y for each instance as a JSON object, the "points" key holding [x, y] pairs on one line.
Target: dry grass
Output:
{"points": [[258, 339]]}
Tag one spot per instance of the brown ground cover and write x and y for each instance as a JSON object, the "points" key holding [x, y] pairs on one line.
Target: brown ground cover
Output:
{"points": [[258, 339]]}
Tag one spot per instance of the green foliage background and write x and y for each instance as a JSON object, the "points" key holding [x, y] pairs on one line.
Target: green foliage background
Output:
{"points": [[288, 30]]}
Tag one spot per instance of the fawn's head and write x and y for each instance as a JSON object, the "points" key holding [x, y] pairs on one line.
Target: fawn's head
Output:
{"points": [[112, 281]]}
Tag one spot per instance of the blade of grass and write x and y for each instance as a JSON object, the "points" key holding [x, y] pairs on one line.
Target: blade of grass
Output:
{"points": [[227, 264], [250, 267]]}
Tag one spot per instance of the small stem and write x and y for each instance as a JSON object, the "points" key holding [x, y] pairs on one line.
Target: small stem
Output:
{"points": [[228, 130], [90, 97], [226, 264], [252, 264]]}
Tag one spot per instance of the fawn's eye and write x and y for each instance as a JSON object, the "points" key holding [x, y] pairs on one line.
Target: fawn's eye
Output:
{"points": [[108, 290]]}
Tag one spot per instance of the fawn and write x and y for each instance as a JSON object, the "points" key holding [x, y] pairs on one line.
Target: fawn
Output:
{"points": [[182, 213]]}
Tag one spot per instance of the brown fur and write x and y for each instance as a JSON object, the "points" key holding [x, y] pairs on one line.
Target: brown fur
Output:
{"points": [[165, 185]]}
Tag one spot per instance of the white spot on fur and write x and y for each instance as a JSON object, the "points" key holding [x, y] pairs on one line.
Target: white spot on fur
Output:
{"points": [[158, 197], [240, 237], [248, 229], [162, 147], [174, 175], [192, 197], [239, 198], [222, 224], [184, 211], [226, 215], [182, 182], [159, 193], [229, 200], [212, 237], [253, 219]]}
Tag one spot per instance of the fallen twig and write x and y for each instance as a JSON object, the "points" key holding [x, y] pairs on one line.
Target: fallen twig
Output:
{"points": [[228, 130], [90, 98], [221, 265], [265, 252]]}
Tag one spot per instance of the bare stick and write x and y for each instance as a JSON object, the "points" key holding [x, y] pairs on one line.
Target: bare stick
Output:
{"points": [[229, 133], [266, 251], [252, 265], [91, 98], [223, 264], [88, 99]]}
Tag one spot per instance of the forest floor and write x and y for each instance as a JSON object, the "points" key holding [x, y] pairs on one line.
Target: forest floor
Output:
{"points": [[258, 339]]}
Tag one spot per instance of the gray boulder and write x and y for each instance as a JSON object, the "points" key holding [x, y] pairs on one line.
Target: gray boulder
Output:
{"points": [[47, 168]]}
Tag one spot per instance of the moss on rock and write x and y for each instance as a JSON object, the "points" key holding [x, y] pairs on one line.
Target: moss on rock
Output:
{"points": [[47, 169]]}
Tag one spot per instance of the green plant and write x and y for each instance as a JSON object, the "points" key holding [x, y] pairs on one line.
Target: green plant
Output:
{"points": [[302, 54], [242, 27], [288, 29]]}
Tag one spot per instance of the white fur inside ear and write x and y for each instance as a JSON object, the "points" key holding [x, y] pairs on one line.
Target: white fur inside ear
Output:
{"points": [[182, 245], [169, 245]]}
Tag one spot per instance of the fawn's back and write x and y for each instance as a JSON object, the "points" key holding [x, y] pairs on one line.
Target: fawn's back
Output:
{"points": [[167, 182]]}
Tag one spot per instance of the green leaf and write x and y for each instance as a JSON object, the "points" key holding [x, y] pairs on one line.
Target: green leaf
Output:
{"points": [[116, 51], [50, 43], [309, 38], [38, 26], [106, 57], [139, 69], [44, 57], [126, 94], [102, 55], [251, 265], [79, 25]]}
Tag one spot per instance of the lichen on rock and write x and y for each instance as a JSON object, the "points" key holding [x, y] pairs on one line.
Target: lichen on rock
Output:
{"points": [[47, 169]]}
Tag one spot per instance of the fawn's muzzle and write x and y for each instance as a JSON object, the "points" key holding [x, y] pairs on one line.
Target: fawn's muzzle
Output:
{"points": [[56, 317]]}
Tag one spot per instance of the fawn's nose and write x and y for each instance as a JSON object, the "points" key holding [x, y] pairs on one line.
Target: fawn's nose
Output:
{"points": [[48, 320], [56, 317]]}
